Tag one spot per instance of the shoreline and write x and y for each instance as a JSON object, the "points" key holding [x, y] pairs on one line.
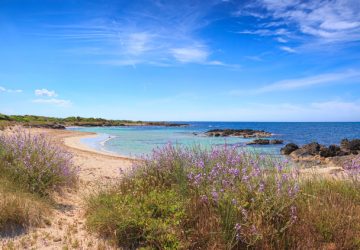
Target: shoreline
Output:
{"points": [[75, 142]]}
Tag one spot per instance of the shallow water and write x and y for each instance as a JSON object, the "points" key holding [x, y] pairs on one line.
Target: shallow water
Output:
{"points": [[135, 141]]}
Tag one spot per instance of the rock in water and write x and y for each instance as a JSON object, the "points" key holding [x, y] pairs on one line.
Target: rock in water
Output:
{"points": [[245, 133], [289, 148], [276, 141], [259, 142], [265, 142]]}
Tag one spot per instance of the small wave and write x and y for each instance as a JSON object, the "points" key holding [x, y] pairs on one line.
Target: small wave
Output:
{"points": [[102, 143]]}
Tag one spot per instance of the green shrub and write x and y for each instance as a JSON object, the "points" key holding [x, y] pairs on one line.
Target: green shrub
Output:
{"points": [[198, 199], [153, 218]]}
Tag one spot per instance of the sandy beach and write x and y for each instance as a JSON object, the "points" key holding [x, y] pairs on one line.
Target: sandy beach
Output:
{"points": [[67, 229]]}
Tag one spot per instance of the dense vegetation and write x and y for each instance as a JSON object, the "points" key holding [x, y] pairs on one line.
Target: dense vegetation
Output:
{"points": [[32, 168], [224, 199], [43, 121]]}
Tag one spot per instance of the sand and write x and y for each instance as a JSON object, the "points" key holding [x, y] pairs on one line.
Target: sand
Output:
{"points": [[67, 229]]}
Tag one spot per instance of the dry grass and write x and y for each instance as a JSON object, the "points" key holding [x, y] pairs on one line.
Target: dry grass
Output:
{"points": [[329, 215], [19, 209]]}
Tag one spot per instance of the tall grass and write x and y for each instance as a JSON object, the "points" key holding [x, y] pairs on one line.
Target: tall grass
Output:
{"points": [[35, 162], [32, 167], [20, 209], [198, 199]]}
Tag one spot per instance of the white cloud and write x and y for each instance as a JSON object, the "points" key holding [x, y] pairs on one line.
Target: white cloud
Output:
{"points": [[45, 92], [3, 89], [137, 43], [291, 84], [309, 81], [190, 54], [164, 33], [288, 49], [54, 101], [326, 20], [281, 40]]}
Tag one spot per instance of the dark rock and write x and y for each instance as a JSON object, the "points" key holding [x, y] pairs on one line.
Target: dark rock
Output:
{"points": [[176, 125], [245, 133], [350, 145], [300, 153], [259, 142], [331, 151], [311, 148], [58, 126], [276, 141], [344, 144], [46, 125], [289, 148]]}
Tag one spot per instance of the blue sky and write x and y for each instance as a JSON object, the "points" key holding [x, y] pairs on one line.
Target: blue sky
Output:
{"points": [[215, 60]]}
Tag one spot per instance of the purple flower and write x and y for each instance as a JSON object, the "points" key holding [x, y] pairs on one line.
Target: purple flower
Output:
{"points": [[215, 195]]}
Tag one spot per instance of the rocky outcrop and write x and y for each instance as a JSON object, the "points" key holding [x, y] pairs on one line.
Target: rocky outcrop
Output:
{"points": [[46, 125], [265, 142], [289, 148], [245, 133], [176, 125], [350, 145], [316, 152]]}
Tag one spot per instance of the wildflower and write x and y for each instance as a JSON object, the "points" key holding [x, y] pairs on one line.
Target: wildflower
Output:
{"points": [[215, 195]]}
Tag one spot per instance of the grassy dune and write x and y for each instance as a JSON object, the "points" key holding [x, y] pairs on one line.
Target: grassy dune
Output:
{"points": [[32, 169], [223, 199]]}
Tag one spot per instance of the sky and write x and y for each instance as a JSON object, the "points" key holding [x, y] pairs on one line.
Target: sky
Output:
{"points": [[213, 60]]}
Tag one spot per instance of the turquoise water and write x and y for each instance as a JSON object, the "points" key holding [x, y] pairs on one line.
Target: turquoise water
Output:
{"points": [[135, 141]]}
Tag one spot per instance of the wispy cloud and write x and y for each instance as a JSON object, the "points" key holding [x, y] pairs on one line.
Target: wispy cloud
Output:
{"points": [[281, 40], [54, 101], [45, 92], [190, 54], [163, 33], [287, 49], [291, 84], [3, 89], [138, 43], [328, 21]]}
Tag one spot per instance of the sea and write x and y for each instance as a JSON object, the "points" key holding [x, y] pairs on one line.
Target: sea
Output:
{"points": [[134, 141]]}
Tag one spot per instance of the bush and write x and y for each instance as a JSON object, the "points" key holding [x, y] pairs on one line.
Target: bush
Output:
{"points": [[197, 199], [35, 163]]}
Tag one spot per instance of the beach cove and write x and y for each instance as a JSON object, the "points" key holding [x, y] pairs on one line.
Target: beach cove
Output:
{"points": [[96, 169]]}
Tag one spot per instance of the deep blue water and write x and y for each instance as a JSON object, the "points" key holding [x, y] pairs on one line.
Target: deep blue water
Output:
{"points": [[133, 141]]}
